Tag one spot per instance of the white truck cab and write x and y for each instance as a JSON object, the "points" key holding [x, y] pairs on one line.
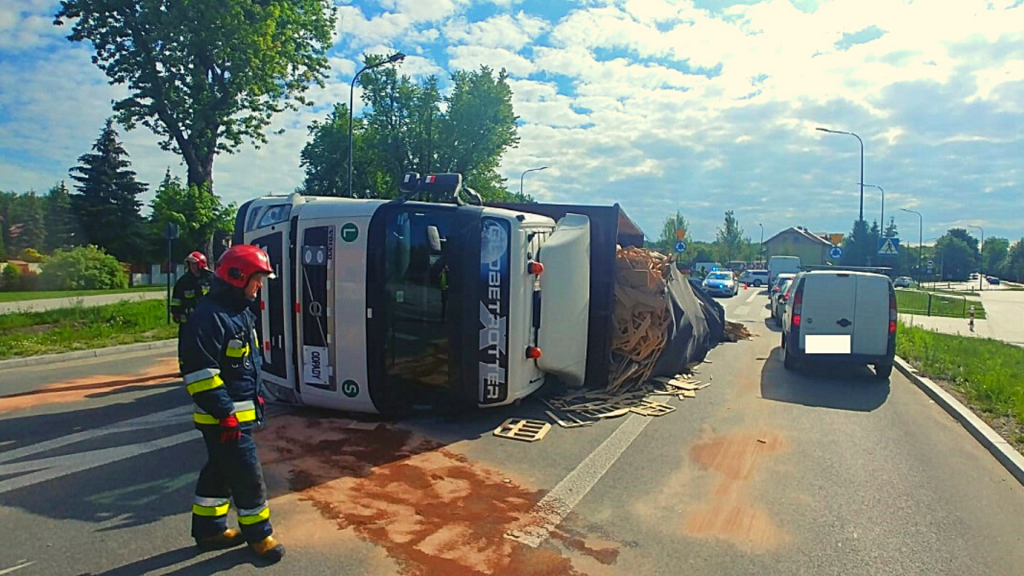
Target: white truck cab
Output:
{"points": [[379, 304], [844, 316]]}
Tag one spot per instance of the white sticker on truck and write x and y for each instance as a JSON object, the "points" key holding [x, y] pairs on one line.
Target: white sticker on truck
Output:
{"points": [[315, 367]]}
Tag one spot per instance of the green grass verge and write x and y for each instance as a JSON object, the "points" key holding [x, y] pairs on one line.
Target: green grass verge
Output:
{"points": [[83, 328], [44, 294], [987, 372], [916, 302]]}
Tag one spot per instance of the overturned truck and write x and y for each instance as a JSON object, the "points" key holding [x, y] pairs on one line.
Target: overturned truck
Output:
{"points": [[382, 305]]}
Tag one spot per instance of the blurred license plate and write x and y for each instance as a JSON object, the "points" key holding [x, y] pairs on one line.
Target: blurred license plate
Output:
{"points": [[827, 344]]}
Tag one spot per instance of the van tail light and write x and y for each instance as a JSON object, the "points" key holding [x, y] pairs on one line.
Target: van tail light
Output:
{"points": [[798, 301], [892, 311]]}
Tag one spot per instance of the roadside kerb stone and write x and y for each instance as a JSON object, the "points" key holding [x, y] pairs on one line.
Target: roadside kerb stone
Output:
{"points": [[80, 354], [1004, 452]]}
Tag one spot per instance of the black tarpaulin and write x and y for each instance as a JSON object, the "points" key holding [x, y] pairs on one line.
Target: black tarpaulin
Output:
{"points": [[697, 325]]}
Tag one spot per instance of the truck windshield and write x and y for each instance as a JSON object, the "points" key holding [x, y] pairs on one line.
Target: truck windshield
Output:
{"points": [[416, 268]]}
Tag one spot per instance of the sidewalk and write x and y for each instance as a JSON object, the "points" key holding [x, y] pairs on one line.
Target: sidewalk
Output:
{"points": [[955, 326], [54, 303], [1005, 311]]}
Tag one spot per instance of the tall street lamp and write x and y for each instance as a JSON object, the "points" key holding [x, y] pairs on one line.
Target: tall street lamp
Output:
{"points": [[760, 252], [393, 59], [981, 257], [882, 223], [920, 240], [524, 176], [861, 163]]}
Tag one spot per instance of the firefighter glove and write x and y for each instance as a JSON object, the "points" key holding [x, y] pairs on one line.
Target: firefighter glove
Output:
{"points": [[230, 432]]}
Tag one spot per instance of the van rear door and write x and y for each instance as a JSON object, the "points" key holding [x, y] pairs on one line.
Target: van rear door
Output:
{"points": [[829, 313], [871, 332]]}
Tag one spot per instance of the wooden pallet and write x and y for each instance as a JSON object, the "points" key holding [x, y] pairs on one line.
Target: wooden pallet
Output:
{"points": [[523, 429], [648, 408]]}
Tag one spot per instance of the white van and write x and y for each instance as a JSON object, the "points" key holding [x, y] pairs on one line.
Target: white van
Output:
{"points": [[782, 265], [841, 316]]}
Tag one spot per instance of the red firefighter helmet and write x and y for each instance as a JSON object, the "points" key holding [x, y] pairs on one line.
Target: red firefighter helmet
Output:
{"points": [[197, 257], [240, 262]]}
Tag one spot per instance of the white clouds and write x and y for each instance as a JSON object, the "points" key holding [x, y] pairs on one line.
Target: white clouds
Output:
{"points": [[472, 57], [27, 25], [502, 31]]}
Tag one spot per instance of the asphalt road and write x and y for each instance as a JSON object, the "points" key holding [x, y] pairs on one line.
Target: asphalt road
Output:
{"points": [[767, 472], [54, 303]]}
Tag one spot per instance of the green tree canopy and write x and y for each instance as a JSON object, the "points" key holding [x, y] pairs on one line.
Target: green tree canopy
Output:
{"points": [[1013, 266], [204, 75], [405, 131], [993, 254], [106, 204], [198, 214], [730, 238], [956, 256], [61, 225]]}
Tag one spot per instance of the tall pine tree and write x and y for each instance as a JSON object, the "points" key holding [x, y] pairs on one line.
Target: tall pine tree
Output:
{"points": [[107, 205], [27, 226], [61, 227]]}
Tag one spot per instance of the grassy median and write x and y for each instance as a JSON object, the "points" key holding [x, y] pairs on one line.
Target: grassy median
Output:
{"points": [[916, 302], [44, 294], [83, 328], [986, 372]]}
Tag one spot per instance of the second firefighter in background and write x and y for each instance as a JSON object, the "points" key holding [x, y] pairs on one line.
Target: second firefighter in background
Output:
{"points": [[193, 285]]}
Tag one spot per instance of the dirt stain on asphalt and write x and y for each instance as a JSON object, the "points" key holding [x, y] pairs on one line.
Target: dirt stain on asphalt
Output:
{"points": [[434, 511], [161, 371], [727, 512]]}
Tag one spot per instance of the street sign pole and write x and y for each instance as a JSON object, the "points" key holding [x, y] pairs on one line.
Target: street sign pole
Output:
{"points": [[171, 232]]}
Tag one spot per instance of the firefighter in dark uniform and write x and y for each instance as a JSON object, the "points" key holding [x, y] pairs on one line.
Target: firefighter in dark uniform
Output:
{"points": [[193, 285], [220, 358]]}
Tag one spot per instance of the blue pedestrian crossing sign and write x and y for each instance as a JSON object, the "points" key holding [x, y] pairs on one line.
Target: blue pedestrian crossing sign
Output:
{"points": [[888, 246], [835, 253], [680, 247]]}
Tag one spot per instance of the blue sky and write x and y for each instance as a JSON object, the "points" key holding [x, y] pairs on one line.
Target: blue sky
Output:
{"points": [[700, 106]]}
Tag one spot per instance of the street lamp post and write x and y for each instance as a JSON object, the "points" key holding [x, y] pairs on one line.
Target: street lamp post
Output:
{"points": [[920, 240], [861, 163], [981, 258], [760, 251], [882, 223], [524, 176], [393, 59]]}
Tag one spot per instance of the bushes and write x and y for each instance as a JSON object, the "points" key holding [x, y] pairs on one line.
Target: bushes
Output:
{"points": [[14, 279], [31, 255], [82, 268]]}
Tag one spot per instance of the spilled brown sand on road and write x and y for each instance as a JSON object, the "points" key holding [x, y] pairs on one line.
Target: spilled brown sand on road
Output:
{"points": [[434, 511], [728, 513], [161, 371]]}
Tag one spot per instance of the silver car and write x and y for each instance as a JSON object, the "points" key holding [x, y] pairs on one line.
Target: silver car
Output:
{"points": [[778, 297]]}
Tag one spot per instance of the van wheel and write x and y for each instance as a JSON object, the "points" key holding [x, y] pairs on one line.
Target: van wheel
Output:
{"points": [[883, 370], [788, 360], [757, 283]]}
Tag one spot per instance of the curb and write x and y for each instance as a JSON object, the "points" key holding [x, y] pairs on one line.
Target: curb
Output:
{"points": [[80, 354], [1006, 454]]}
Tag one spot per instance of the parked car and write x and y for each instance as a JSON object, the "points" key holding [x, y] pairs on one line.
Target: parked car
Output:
{"points": [[778, 298], [840, 316], [903, 282], [974, 276], [782, 265], [756, 278], [993, 280], [720, 283]]}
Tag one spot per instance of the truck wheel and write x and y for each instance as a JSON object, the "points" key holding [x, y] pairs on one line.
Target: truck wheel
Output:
{"points": [[788, 360], [883, 370]]}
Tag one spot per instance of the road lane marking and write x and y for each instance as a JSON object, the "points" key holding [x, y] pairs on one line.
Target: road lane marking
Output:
{"points": [[44, 469], [752, 296], [556, 505], [164, 418], [24, 564], [60, 466]]}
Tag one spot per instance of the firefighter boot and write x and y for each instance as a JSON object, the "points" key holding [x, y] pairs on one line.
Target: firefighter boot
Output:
{"points": [[228, 539], [268, 549]]}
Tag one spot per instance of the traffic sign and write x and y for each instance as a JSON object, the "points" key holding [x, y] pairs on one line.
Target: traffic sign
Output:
{"points": [[835, 253], [888, 246], [680, 247], [836, 239], [681, 234]]}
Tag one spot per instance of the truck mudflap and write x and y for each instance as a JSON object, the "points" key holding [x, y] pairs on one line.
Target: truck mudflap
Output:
{"points": [[565, 293]]}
